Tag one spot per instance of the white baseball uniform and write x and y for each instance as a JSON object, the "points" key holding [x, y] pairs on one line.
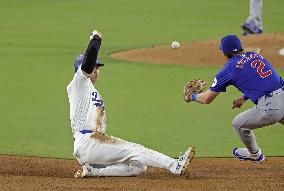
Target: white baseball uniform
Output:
{"points": [[109, 155]]}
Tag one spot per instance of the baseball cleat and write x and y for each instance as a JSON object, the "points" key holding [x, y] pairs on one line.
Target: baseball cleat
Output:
{"points": [[185, 160], [78, 174], [250, 28], [86, 170], [244, 154]]}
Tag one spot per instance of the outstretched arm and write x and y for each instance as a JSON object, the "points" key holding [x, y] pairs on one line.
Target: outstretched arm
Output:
{"points": [[91, 53], [193, 91], [205, 97]]}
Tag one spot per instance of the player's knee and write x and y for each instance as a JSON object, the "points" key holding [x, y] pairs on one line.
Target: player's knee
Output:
{"points": [[237, 124], [245, 131]]}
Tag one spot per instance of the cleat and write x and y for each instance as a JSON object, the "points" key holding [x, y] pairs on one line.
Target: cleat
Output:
{"points": [[78, 174], [86, 170], [244, 154], [185, 160], [250, 28]]}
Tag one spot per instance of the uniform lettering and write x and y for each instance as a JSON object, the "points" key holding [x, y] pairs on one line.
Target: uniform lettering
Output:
{"points": [[260, 68], [95, 98], [241, 62]]}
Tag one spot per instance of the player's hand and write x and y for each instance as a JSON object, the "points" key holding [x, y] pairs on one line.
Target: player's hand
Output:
{"points": [[238, 102], [95, 34], [193, 86]]}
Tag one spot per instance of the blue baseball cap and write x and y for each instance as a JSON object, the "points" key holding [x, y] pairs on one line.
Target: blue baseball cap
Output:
{"points": [[80, 59], [230, 43]]}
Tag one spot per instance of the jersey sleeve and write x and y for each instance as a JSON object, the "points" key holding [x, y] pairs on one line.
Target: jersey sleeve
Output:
{"points": [[222, 80], [91, 55], [245, 97]]}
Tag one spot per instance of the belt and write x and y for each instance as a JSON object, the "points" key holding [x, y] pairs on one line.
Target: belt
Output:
{"points": [[270, 94], [273, 92], [85, 131]]}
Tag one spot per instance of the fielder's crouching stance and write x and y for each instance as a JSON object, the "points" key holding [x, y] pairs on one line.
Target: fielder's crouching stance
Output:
{"points": [[98, 153], [258, 81]]}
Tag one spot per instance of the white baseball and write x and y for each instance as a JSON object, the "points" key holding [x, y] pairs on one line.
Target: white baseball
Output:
{"points": [[281, 52], [175, 44]]}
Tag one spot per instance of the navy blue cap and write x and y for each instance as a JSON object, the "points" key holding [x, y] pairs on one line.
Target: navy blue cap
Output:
{"points": [[230, 43], [80, 59]]}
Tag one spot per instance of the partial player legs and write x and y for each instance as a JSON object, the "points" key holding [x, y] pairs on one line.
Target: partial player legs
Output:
{"points": [[253, 24], [256, 13], [248, 138], [97, 152], [132, 169], [248, 120], [269, 110], [252, 151], [117, 151]]}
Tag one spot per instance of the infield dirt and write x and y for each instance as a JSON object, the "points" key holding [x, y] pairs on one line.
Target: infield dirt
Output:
{"points": [[33, 173]]}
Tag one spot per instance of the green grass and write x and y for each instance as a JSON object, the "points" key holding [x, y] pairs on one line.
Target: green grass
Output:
{"points": [[40, 40]]}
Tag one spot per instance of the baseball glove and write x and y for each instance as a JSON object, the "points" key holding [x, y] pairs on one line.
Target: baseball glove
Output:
{"points": [[193, 86]]}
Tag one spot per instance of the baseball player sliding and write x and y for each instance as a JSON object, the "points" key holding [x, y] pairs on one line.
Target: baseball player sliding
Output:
{"points": [[258, 81], [98, 153]]}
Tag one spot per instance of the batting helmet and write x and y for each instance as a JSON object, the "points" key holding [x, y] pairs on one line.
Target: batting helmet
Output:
{"points": [[230, 44], [80, 59]]}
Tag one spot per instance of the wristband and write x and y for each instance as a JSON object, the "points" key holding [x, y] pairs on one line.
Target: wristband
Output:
{"points": [[193, 96]]}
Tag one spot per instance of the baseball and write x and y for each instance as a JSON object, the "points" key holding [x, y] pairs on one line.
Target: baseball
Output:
{"points": [[175, 44], [281, 52]]}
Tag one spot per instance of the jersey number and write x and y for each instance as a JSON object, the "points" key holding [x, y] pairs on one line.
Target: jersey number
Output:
{"points": [[260, 68]]}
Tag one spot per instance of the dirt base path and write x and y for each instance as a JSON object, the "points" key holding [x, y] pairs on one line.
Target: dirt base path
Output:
{"points": [[32, 173], [205, 53]]}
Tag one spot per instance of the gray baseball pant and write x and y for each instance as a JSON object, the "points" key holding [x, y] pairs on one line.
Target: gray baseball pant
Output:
{"points": [[269, 110], [255, 13]]}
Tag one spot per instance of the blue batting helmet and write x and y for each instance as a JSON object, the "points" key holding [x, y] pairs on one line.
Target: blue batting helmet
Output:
{"points": [[230, 43], [80, 59]]}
